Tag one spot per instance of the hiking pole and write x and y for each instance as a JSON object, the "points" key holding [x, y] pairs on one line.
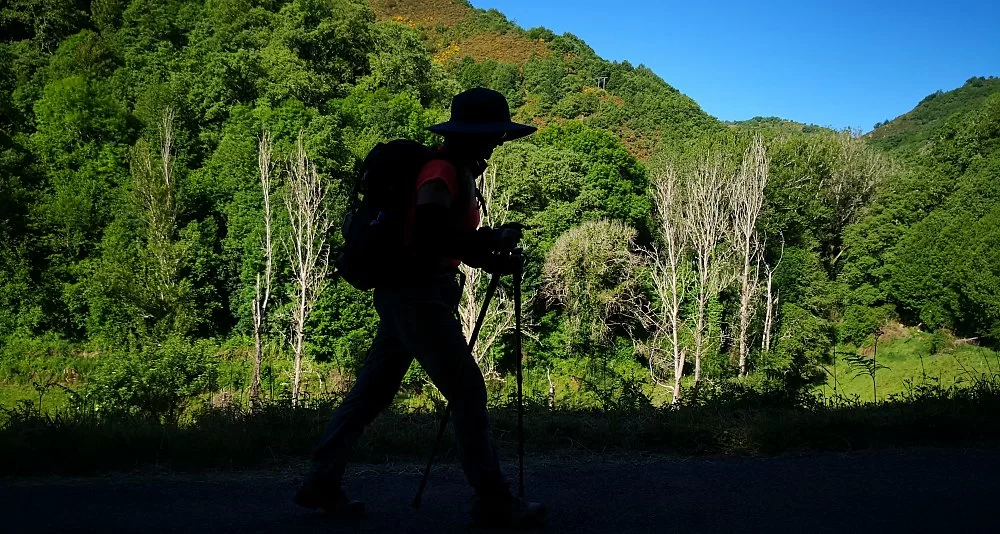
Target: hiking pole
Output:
{"points": [[491, 289], [518, 273]]}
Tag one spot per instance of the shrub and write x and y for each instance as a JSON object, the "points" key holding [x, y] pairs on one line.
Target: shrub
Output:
{"points": [[156, 381]]}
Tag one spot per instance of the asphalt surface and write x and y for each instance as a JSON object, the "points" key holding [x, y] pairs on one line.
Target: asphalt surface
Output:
{"points": [[912, 490]]}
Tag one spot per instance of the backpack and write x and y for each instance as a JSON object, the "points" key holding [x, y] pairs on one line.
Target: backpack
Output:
{"points": [[374, 224]]}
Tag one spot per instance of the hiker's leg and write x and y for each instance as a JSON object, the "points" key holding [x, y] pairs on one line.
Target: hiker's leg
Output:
{"points": [[424, 321], [376, 386]]}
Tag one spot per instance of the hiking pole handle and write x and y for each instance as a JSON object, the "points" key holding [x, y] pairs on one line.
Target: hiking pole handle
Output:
{"points": [[491, 290]]}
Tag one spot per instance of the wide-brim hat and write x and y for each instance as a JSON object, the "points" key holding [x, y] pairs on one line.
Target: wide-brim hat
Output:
{"points": [[481, 111]]}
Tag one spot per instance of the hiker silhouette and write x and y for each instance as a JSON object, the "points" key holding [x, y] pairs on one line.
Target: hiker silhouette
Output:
{"points": [[417, 318]]}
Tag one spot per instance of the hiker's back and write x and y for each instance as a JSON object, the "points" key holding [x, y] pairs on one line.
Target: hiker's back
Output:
{"points": [[377, 228], [374, 224]]}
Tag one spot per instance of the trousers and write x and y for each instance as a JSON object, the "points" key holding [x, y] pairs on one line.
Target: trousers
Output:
{"points": [[417, 321]]}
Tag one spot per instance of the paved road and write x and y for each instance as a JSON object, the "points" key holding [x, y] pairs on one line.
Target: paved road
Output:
{"points": [[915, 490]]}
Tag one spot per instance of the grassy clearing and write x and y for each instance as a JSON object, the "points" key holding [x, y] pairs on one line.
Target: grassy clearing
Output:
{"points": [[53, 399], [909, 360]]}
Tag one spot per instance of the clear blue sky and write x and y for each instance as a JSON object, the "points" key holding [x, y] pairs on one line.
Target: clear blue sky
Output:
{"points": [[839, 63]]}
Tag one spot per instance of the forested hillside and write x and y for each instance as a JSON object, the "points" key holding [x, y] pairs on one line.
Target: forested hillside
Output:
{"points": [[548, 77], [927, 250], [907, 132], [149, 151]]}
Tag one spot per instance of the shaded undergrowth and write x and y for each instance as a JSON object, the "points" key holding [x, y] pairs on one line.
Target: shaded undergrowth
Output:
{"points": [[728, 420]]}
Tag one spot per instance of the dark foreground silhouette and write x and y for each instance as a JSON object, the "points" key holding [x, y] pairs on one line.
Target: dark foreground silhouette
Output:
{"points": [[913, 490]]}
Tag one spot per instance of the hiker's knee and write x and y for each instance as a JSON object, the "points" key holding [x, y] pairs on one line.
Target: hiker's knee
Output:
{"points": [[471, 395], [364, 403]]}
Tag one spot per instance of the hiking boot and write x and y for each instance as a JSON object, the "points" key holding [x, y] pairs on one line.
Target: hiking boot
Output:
{"points": [[506, 512], [315, 495]]}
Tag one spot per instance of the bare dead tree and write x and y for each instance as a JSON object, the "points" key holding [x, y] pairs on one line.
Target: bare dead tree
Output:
{"points": [[855, 174], [500, 315], [310, 257], [552, 389], [708, 225], [771, 298], [156, 190], [670, 277], [746, 196], [262, 294]]}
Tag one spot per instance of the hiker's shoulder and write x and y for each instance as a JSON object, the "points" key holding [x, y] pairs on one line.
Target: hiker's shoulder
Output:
{"points": [[438, 167]]}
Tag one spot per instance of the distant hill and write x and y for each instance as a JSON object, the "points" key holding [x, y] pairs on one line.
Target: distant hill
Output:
{"points": [[454, 30], [780, 125], [548, 77], [910, 131]]}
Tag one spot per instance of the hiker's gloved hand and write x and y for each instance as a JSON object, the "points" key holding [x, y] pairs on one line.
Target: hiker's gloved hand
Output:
{"points": [[488, 244], [509, 235], [479, 247], [505, 237], [503, 262]]}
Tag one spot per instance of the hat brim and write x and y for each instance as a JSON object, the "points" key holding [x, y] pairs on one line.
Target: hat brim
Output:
{"points": [[510, 130]]}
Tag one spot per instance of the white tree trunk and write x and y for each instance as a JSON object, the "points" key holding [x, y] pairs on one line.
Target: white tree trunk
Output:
{"points": [[309, 255], [669, 276], [552, 389], [262, 295], [706, 217], [299, 326], [156, 190], [747, 199], [770, 303]]}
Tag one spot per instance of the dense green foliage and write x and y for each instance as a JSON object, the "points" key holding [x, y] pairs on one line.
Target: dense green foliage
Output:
{"points": [[142, 292], [908, 131], [927, 248]]}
